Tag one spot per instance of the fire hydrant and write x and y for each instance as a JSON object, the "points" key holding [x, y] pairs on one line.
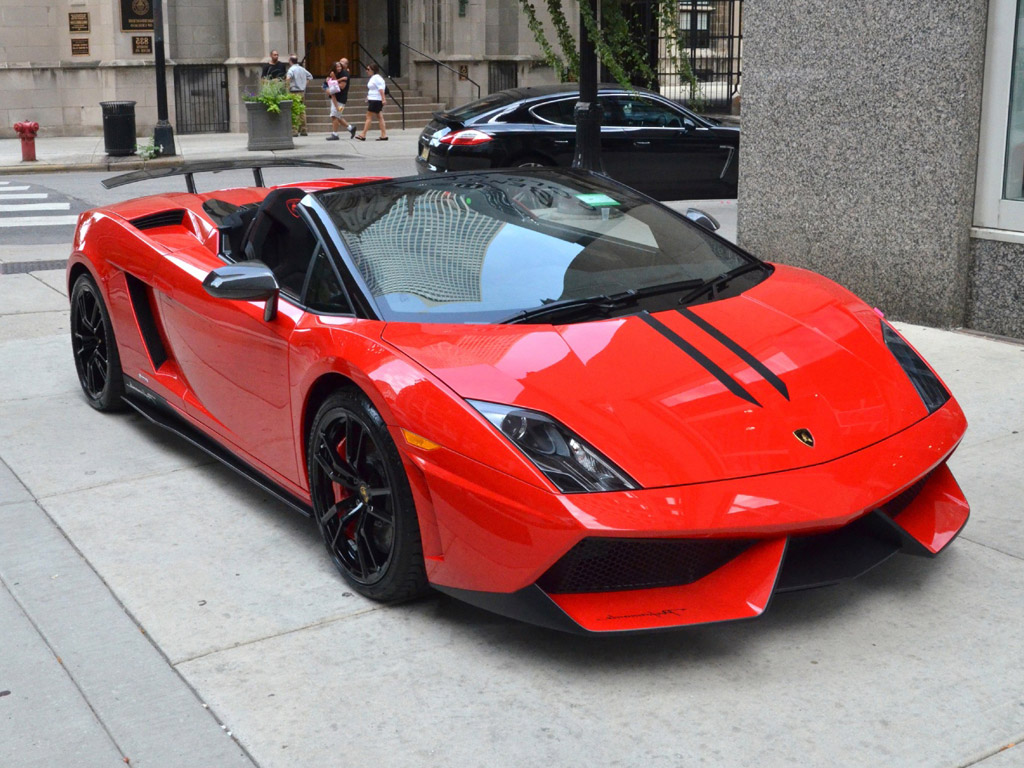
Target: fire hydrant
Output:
{"points": [[27, 130]]}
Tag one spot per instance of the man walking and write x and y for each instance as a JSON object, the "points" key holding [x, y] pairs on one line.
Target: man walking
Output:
{"points": [[338, 101], [298, 77]]}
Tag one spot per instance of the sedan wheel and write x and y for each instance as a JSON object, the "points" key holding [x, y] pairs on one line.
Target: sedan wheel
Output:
{"points": [[530, 162], [361, 500], [95, 349]]}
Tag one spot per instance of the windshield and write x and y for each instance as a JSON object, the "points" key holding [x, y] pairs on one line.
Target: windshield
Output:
{"points": [[481, 247]]}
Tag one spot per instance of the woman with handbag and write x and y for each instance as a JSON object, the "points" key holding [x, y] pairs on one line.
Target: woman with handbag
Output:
{"points": [[376, 89]]}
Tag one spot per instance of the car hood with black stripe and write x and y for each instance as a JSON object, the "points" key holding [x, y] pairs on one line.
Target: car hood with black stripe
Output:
{"points": [[791, 373]]}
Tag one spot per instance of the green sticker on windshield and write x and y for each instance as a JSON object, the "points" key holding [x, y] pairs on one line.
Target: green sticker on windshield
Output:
{"points": [[597, 200]]}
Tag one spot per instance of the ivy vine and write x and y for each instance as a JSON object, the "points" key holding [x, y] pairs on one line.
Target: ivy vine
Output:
{"points": [[614, 42]]}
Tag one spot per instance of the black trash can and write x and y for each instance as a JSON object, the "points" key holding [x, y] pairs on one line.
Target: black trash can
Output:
{"points": [[119, 127]]}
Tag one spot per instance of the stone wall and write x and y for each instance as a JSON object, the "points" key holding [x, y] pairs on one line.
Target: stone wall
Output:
{"points": [[997, 290], [859, 149], [491, 30], [42, 80]]}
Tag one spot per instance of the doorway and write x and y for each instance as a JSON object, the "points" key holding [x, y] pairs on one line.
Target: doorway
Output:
{"points": [[331, 27]]}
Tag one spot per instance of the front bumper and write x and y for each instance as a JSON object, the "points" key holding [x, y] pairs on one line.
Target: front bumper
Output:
{"points": [[501, 538]]}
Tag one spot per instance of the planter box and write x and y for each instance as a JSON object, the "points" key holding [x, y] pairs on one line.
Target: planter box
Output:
{"points": [[267, 130]]}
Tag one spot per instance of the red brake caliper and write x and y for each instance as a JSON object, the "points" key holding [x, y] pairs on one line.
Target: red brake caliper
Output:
{"points": [[341, 493]]}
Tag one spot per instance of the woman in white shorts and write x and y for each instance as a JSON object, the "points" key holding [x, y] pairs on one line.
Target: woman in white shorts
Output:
{"points": [[375, 89]]}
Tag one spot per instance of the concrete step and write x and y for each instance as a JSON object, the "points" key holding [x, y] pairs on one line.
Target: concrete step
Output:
{"points": [[419, 109], [318, 106]]}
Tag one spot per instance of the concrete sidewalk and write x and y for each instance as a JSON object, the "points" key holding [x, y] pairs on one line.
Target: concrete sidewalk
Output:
{"points": [[88, 153], [155, 608]]}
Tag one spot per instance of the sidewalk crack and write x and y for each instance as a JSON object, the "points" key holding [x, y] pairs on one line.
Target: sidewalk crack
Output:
{"points": [[312, 625]]}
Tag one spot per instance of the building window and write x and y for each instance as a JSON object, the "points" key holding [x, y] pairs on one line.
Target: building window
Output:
{"points": [[999, 191], [336, 11], [1013, 180], [694, 24]]}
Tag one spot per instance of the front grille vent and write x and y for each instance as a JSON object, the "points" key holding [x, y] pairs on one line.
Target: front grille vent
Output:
{"points": [[163, 219], [608, 565]]}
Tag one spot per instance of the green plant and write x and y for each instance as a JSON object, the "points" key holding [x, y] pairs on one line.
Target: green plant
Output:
{"points": [[616, 42], [272, 93], [149, 150]]}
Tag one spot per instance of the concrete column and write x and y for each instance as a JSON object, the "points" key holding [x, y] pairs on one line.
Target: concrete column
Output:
{"points": [[859, 145]]}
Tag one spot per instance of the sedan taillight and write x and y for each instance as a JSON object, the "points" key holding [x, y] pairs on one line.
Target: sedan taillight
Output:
{"points": [[467, 138]]}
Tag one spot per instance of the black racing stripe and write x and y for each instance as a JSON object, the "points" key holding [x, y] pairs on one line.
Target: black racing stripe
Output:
{"points": [[730, 383], [737, 350]]}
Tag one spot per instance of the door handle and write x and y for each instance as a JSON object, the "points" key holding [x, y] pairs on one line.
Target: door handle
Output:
{"points": [[561, 141], [641, 143]]}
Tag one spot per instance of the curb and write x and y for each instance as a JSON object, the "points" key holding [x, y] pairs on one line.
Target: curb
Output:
{"points": [[109, 165]]}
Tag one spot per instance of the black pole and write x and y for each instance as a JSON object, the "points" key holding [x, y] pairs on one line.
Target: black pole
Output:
{"points": [[394, 16], [163, 133], [588, 111]]}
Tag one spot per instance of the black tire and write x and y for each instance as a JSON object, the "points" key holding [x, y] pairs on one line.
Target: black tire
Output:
{"points": [[362, 503], [95, 348]]}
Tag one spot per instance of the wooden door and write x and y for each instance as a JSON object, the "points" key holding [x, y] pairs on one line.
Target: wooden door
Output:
{"points": [[331, 28]]}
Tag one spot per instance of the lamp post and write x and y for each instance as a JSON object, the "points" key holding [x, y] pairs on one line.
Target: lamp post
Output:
{"points": [[163, 133], [588, 111]]}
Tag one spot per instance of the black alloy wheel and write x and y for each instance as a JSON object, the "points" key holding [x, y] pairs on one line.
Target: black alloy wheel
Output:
{"points": [[362, 503], [530, 161], [94, 347]]}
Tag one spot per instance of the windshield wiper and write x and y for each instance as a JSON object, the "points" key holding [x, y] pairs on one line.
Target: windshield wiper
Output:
{"points": [[604, 303], [715, 284]]}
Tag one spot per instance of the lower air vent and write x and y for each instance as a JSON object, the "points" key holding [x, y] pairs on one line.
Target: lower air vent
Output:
{"points": [[606, 565], [163, 219], [901, 502]]}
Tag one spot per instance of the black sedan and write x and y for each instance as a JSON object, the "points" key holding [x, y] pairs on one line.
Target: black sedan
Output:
{"points": [[647, 141]]}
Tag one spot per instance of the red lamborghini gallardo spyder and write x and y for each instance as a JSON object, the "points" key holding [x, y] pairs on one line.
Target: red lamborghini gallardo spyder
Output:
{"points": [[536, 390]]}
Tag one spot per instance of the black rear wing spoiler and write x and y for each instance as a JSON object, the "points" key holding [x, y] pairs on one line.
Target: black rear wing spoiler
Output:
{"points": [[190, 168]]}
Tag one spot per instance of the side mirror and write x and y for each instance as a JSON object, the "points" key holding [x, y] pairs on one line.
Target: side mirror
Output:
{"points": [[247, 281], [701, 219]]}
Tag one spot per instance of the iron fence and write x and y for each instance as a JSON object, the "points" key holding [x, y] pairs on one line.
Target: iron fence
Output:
{"points": [[710, 36], [201, 98]]}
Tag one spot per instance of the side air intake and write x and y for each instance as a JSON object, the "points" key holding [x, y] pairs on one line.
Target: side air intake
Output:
{"points": [[173, 218]]}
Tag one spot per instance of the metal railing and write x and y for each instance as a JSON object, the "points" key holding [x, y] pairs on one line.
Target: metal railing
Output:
{"points": [[711, 33], [437, 73], [710, 37], [357, 46]]}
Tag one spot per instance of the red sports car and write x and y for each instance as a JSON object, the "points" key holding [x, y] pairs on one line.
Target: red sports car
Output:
{"points": [[536, 390]]}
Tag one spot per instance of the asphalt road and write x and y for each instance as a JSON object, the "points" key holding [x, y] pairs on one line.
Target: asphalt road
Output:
{"points": [[156, 609]]}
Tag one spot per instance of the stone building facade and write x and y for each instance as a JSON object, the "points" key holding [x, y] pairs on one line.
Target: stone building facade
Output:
{"points": [[59, 59]]}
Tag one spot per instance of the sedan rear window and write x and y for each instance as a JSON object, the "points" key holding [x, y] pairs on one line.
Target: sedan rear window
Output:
{"points": [[480, 247], [480, 106], [560, 112]]}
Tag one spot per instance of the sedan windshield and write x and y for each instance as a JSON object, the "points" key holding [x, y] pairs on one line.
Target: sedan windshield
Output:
{"points": [[496, 246]]}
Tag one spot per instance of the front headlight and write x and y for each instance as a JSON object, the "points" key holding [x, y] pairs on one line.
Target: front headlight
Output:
{"points": [[563, 456], [925, 382]]}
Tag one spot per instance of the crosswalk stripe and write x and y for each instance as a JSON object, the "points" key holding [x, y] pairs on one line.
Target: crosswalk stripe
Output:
{"points": [[38, 221], [15, 188], [18, 207], [23, 196]]}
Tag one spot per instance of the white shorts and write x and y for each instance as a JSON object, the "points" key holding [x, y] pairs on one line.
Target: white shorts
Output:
{"points": [[336, 110]]}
